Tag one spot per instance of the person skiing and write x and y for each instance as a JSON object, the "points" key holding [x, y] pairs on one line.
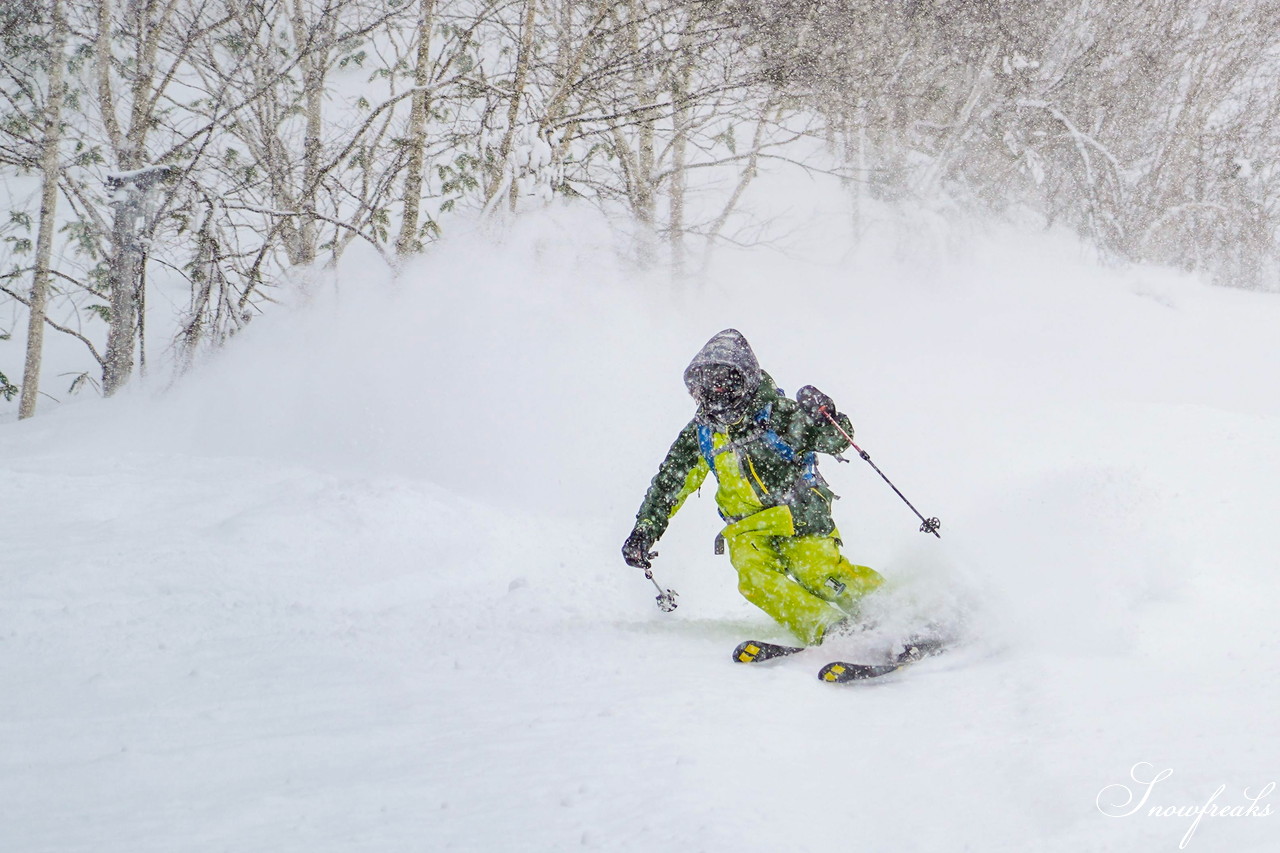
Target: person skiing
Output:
{"points": [[762, 448]]}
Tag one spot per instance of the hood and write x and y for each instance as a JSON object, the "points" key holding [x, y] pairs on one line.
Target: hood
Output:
{"points": [[724, 378], [728, 348]]}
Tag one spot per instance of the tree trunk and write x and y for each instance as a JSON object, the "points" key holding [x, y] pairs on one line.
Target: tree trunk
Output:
{"points": [[126, 259], [48, 215], [679, 149], [122, 279], [311, 40], [122, 263], [407, 242], [679, 180], [642, 195], [523, 59]]}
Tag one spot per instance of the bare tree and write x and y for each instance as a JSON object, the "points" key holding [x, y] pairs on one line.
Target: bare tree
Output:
{"points": [[1135, 123], [157, 39], [49, 163], [416, 138]]}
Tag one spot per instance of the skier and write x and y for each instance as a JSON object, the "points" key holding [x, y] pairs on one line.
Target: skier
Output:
{"points": [[762, 448]]}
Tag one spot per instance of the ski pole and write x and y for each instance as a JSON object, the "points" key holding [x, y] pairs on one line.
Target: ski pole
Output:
{"points": [[927, 525], [666, 597]]}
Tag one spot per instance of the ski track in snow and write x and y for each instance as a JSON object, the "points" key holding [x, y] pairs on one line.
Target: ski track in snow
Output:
{"points": [[293, 605]]}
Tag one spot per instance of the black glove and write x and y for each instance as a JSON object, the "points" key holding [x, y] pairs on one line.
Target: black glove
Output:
{"points": [[636, 549], [813, 402]]}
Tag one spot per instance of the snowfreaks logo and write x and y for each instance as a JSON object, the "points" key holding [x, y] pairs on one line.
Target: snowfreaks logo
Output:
{"points": [[1120, 800]]}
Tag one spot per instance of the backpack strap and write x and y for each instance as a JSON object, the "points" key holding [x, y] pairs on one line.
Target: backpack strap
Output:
{"points": [[809, 476], [708, 449], [810, 472], [775, 443], [706, 440], [767, 435]]}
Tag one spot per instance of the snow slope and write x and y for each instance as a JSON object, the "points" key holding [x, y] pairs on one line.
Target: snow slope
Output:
{"points": [[355, 585]]}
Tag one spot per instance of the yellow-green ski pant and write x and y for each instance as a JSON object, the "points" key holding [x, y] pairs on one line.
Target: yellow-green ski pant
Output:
{"points": [[801, 581]]}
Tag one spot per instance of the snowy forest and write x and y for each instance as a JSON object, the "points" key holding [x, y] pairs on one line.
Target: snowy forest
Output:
{"points": [[217, 150]]}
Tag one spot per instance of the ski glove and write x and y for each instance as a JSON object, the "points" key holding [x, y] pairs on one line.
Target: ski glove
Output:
{"points": [[812, 402], [636, 549]]}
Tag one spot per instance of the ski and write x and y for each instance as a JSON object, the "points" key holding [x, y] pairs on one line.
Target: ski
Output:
{"points": [[843, 672], [755, 651]]}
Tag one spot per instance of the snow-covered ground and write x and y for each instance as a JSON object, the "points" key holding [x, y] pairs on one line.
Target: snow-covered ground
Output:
{"points": [[355, 585]]}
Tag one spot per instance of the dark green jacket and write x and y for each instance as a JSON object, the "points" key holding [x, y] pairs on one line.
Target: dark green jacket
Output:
{"points": [[773, 444]]}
